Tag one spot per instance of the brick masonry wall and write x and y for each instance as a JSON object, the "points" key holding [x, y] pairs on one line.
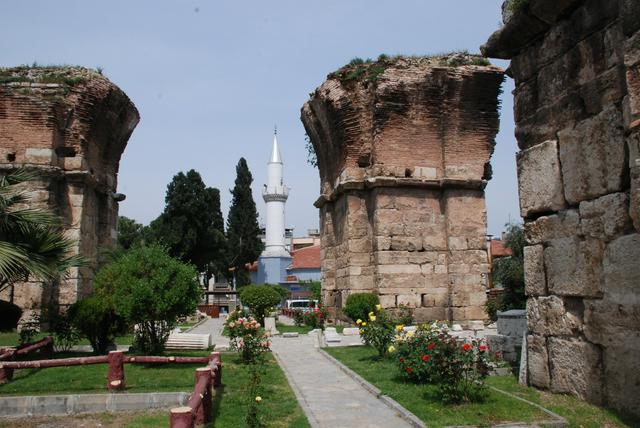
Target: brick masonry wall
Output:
{"points": [[576, 66], [73, 133], [403, 163]]}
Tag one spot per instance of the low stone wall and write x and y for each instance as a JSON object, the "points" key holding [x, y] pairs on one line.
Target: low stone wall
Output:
{"points": [[576, 66]]}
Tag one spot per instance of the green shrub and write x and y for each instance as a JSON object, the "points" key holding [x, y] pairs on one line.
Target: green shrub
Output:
{"points": [[151, 290], [65, 334], [298, 317], [376, 330], [433, 356], [315, 318], [96, 319], [282, 292], [359, 305], [260, 300], [9, 316], [404, 315]]}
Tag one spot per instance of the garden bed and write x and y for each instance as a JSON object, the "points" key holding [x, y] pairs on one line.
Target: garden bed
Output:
{"points": [[424, 402]]}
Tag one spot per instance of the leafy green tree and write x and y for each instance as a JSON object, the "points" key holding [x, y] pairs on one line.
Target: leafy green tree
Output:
{"points": [[359, 305], [509, 271], [260, 300], [96, 319], [242, 225], [151, 289], [32, 243], [191, 225], [129, 232]]}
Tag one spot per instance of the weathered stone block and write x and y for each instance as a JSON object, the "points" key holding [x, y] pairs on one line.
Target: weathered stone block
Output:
{"points": [[622, 375], [576, 368], [535, 282], [613, 323], [387, 300], [574, 266], [538, 363], [621, 269], [592, 155], [548, 316], [605, 218], [409, 300], [539, 179], [421, 315], [562, 225]]}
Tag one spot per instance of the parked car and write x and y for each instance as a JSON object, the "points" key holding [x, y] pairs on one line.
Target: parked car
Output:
{"points": [[304, 305]]}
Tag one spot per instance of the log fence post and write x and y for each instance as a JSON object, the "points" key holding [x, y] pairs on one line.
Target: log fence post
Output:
{"points": [[216, 360], [115, 377], [204, 410], [181, 417], [47, 350]]}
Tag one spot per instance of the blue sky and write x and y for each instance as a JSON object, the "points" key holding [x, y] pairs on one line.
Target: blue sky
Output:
{"points": [[211, 78]]}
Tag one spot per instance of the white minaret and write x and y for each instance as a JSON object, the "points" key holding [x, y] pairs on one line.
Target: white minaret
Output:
{"points": [[275, 194]]}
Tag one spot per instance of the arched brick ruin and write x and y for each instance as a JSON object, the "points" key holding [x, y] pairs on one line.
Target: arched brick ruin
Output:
{"points": [[71, 125], [576, 66], [403, 148]]}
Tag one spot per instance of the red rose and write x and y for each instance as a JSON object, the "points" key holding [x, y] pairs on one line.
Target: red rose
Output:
{"points": [[431, 346], [466, 346], [402, 360], [425, 358], [483, 347], [409, 370]]}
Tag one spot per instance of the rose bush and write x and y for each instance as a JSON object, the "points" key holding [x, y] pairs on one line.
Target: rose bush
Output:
{"points": [[248, 338], [431, 355]]}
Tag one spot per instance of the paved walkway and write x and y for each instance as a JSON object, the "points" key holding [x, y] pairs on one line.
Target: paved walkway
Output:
{"points": [[327, 395], [214, 327]]}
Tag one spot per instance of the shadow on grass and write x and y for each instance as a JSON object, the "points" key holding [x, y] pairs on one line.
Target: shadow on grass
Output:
{"points": [[217, 403]]}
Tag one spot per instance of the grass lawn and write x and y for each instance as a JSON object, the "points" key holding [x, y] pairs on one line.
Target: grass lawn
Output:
{"points": [[423, 400], [279, 407], [11, 338]]}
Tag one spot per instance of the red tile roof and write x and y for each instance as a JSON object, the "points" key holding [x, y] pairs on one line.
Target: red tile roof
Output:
{"points": [[306, 258], [498, 249]]}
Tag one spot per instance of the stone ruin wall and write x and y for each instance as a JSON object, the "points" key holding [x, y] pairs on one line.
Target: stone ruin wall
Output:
{"points": [[403, 163], [576, 66], [72, 133]]}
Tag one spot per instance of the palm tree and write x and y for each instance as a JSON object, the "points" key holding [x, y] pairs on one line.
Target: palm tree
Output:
{"points": [[32, 243]]}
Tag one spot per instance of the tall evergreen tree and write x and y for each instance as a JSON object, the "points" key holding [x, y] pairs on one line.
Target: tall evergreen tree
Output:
{"points": [[190, 223], [242, 225], [129, 232]]}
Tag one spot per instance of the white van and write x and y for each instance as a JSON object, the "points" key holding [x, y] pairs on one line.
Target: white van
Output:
{"points": [[304, 305]]}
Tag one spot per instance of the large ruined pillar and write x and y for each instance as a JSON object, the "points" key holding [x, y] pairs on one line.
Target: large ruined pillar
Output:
{"points": [[403, 148], [576, 66], [71, 125]]}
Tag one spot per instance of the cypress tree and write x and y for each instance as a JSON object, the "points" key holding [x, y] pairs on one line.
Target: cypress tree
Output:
{"points": [[190, 225], [242, 225]]}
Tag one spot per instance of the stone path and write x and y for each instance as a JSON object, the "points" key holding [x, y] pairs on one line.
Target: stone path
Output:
{"points": [[214, 327], [327, 395]]}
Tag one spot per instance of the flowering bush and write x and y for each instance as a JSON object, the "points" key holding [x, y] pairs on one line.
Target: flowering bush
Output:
{"points": [[377, 330], [248, 338], [431, 355], [316, 318]]}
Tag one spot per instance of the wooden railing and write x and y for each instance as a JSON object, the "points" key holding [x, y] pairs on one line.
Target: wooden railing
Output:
{"points": [[116, 361], [199, 409], [45, 346]]}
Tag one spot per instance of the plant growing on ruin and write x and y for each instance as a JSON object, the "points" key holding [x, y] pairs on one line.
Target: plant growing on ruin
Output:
{"points": [[151, 290], [359, 305], [260, 299], [32, 243]]}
